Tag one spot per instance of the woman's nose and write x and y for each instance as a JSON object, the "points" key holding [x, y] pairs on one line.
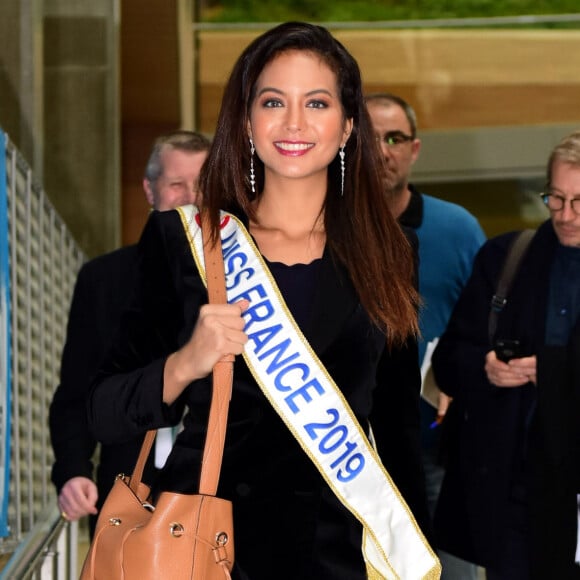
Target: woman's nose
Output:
{"points": [[294, 118]]}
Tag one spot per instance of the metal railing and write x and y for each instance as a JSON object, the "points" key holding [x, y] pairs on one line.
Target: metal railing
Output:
{"points": [[42, 262], [48, 551]]}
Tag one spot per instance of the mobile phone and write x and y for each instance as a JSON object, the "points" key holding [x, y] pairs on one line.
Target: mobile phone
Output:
{"points": [[507, 348]]}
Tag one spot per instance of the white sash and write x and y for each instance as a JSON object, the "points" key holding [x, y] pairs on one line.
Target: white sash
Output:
{"points": [[315, 411]]}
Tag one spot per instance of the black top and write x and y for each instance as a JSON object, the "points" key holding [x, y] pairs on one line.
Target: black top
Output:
{"points": [[297, 283]]}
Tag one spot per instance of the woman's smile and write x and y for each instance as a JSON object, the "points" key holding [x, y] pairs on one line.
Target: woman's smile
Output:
{"points": [[293, 148]]}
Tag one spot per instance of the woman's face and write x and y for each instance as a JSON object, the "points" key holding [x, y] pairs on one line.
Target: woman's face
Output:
{"points": [[296, 118]]}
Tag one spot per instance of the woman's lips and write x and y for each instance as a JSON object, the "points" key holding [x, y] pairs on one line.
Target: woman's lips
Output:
{"points": [[293, 148]]}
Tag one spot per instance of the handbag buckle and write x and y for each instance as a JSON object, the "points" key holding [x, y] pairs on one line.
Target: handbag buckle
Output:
{"points": [[176, 530], [221, 538], [220, 552]]}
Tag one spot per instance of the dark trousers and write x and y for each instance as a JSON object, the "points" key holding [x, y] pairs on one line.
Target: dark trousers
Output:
{"points": [[514, 561]]}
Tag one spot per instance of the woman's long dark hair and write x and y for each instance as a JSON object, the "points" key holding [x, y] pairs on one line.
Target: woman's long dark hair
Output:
{"points": [[360, 229]]}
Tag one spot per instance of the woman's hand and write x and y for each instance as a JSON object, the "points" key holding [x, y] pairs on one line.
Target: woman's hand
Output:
{"points": [[219, 331], [515, 373]]}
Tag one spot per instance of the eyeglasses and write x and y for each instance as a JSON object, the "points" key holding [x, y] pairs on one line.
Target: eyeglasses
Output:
{"points": [[394, 138], [556, 202]]}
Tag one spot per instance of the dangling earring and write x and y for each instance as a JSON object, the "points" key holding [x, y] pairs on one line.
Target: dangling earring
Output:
{"points": [[252, 175], [341, 153]]}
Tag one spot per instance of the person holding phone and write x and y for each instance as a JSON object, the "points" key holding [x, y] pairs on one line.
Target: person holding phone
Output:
{"points": [[509, 499]]}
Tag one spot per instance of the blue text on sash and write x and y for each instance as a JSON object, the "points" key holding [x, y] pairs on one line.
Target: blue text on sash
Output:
{"points": [[285, 366]]}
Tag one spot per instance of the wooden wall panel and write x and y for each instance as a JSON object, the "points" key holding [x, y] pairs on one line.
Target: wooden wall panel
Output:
{"points": [[149, 97], [453, 78]]}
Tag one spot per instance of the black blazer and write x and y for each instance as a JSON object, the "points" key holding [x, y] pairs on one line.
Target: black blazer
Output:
{"points": [[287, 519], [488, 439], [102, 291], [555, 463]]}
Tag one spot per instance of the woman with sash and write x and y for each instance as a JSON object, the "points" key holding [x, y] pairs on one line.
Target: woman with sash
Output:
{"points": [[321, 311]]}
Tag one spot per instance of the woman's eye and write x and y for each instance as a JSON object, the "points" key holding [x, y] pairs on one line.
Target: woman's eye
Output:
{"points": [[317, 105], [271, 103]]}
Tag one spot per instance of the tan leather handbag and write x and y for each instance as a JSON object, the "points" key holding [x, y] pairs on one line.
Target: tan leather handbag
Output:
{"points": [[182, 537]]}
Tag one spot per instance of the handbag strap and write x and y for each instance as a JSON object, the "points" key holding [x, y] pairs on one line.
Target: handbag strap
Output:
{"points": [[510, 267], [223, 372]]}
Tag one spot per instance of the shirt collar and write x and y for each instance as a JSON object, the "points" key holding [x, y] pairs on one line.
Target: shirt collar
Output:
{"points": [[413, 214]]}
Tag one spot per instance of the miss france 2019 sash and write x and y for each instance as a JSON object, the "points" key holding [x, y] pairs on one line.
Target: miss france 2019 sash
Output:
{"points": [[314, 409]]}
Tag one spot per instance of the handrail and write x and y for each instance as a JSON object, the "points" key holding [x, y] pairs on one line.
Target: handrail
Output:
{"points": [[43, 259], [34, 544]]}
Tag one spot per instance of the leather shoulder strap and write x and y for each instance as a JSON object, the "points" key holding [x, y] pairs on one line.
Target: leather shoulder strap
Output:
{"points": [[137, 475], [222, 381], [510, 267], [222, 372]]}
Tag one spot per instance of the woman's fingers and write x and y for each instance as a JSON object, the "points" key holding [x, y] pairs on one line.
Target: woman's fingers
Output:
{"points": [[219, 325], [219, 331]]}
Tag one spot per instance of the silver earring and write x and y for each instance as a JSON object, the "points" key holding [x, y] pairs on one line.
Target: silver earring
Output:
{"points": [[252, 175], [341, 153]]}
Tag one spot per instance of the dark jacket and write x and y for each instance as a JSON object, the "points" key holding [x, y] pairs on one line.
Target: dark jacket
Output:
{"points": [[490, 446], [287, 519], [102, 291], [555, 463]]}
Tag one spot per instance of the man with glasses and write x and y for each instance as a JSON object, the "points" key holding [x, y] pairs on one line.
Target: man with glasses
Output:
{"points": [[509, 500], [102, 292], [555, 200], [449, 237]]}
